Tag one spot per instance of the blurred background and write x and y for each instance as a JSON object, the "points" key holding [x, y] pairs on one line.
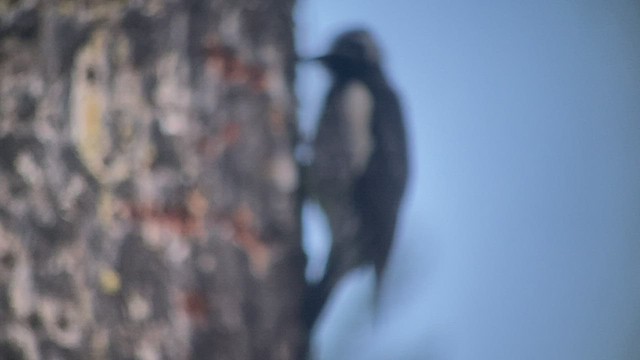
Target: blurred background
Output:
{"points": [[520, 232]]}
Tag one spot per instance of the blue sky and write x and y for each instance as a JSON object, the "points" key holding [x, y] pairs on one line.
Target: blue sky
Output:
{"points": [[520, 235]]}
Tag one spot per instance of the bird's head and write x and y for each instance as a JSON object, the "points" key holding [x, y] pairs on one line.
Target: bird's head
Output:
{"points": [[353, 54]]}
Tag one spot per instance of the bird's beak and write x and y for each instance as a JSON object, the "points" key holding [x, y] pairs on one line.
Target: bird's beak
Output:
{"points": [[307, 59]]}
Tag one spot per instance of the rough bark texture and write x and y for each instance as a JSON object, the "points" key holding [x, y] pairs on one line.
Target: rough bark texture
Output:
{"points": [[148, 202]]}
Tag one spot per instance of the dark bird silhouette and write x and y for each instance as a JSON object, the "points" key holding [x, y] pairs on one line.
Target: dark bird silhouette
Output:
{"points": [[359, 169]]}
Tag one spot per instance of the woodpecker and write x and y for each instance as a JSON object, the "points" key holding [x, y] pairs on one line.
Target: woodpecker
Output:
{"points": [[359, 167]]}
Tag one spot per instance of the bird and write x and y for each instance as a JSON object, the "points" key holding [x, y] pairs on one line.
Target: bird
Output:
{"points": [[359, 169]]}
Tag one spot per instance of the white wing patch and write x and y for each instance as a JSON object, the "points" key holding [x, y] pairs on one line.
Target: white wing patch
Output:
{"points": [[358, 107]]}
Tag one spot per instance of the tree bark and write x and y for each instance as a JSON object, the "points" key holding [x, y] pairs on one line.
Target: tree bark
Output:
{"points": [[148, 191]]}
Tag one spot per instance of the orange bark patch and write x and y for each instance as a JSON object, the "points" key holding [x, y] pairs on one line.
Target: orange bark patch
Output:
{"points": [[214, 146], [278, 121], [246, 236], [196, 306], [185, 220], [224, 60]]}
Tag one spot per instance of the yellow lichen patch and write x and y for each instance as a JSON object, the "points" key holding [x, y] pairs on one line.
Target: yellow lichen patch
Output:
{"points": [[110, 282], [98, 92], [89, 103], [106, 209]]}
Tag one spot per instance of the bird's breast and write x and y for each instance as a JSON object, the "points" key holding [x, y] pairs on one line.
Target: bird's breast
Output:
{"points": [[357, 107]]}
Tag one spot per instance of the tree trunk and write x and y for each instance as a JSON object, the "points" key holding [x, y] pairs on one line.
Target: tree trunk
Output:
{"points": [[148, 191]]}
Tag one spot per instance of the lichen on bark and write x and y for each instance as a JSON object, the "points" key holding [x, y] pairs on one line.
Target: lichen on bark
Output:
{"points": [[147, 182]]}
